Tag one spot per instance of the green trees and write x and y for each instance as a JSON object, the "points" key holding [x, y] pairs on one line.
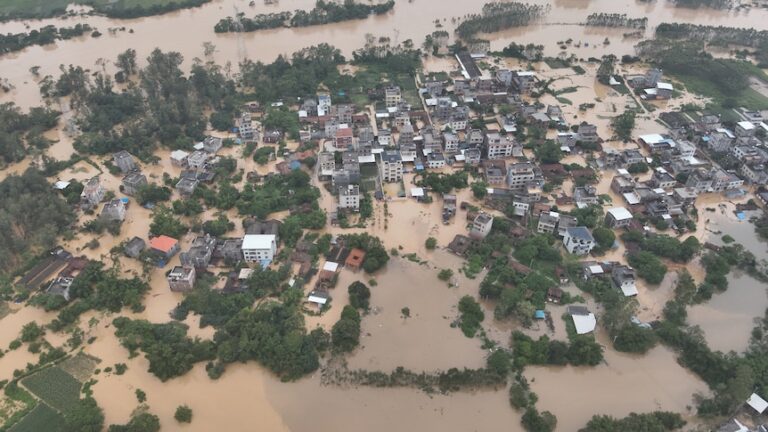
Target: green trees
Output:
{"points": [[324, 12], [623, 125], [290, 78], [497, 16], [444, 183], [657, 421], [638, 168], [152, 193], [445, 275], [604, 237], [376, 256], [164, 223], [86, 416], [142, 422], [548, 152], [359, 295], [19, 132], [183, 414], [219, 226], [470, 316], [648, 266], [605, 71], [31, 220], [169, 351], [44, 36], [345, 334], [272, 334], [633, 338], [479, 189], [533, 421], [582, 350]]}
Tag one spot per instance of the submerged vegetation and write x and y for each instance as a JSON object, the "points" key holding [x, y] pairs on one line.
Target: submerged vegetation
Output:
{"points": [[615, 20], [44, 36], [324, 12], [497, 16]]}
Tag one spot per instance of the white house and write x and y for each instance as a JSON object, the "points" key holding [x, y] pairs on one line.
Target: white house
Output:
{"points": [[258, 247], [481, 226], [583, 319], [618, 217], [349, 197], [578, 240]]}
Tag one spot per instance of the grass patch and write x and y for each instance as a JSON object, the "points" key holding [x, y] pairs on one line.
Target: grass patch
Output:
{"points": [[579, 70], [564, 101], [42, 418], [80, 366], [370, 76], [55, 387], [748, 97]]}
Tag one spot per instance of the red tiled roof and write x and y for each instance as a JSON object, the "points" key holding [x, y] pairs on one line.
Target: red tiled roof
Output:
{"points": [[163, 243]]}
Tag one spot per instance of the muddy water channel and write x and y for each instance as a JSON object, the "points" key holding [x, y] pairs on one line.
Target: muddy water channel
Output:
{"points": [[728, 318]]}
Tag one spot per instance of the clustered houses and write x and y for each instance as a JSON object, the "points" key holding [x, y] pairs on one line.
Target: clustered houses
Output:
{"points": [[198, 166]]}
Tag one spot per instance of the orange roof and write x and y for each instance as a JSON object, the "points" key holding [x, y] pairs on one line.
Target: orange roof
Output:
{"points": [[355, 258], [344, 132], [163, 243]]}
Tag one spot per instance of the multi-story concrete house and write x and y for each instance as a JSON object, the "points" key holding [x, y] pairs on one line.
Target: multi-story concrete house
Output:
{"points": [[498, 146], [132, 182], [578, 240], [392, 96], [124, 161], [391, 166], [450, 142], [92, 193], [259, 247], [181, 279], [349, 198], [519, 175]]}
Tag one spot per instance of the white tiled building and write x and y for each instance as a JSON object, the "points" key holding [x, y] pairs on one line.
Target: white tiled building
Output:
{"points": [[257, 247]]}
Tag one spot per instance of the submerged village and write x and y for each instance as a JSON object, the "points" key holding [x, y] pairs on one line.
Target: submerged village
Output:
{"points": [[471, 235]]}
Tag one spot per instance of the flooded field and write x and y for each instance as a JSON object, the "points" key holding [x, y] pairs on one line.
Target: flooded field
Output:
{"points": [[409, 20], [728, 318], [623, 384]]}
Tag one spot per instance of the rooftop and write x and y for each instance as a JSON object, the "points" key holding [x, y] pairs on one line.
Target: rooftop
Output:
{"points": [[258, 241], [163, 243]]}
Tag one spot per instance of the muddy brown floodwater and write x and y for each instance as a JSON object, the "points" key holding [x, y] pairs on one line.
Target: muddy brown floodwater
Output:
{"points": [[728, 318], [247, 397], [409, 20]]}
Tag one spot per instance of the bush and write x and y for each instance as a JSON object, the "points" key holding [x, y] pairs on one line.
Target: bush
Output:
{"points": [[183, 414], [635, 339], [445, 274], [359, 295], [431, 243], [648, 266], [345, 334], [471, 315]]}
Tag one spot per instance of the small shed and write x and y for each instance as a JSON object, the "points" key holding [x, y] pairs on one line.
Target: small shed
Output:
{"points": [[539, 314], [319, 298]]}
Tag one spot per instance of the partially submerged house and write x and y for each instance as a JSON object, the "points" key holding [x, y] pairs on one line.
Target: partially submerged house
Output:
{"points": [[181, 279], [583, 319]]}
